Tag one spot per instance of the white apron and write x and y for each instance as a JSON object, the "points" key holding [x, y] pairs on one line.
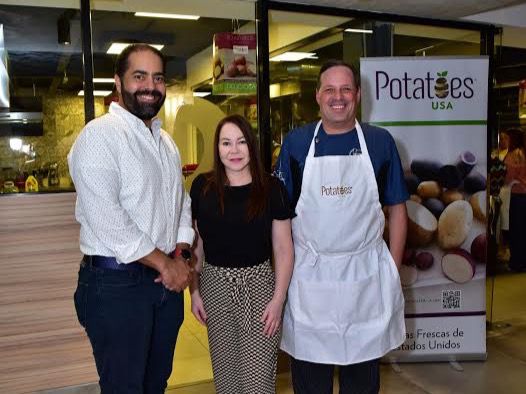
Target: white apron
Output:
{"points": [[345, 302]]}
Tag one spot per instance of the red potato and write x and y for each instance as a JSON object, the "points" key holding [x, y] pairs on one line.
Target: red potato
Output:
{"points": [[231, 70], [458, 265], [408, 257], [479, 248], [241, 69], [424, 261], [240, 60]]}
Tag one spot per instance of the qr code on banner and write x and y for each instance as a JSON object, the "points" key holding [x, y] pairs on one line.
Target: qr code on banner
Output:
{"points": [[451, 299]]}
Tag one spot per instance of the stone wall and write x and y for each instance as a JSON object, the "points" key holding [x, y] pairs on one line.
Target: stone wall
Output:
{"points": [[62, 122]]}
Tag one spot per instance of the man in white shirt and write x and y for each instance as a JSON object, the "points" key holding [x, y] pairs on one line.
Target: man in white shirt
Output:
{"points": [[135, 232]]}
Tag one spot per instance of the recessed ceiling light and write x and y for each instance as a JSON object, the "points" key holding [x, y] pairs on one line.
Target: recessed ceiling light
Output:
{"points": [[365, 31], [117, 47], [103, 80], [201, 94], [97, 92], [167, 16], [293, 56]]}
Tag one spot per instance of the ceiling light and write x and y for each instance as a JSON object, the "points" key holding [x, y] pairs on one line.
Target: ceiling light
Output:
{"points": [[167, 16], [293, 56], [117, 47], [364, 31], [103, 80], [97, 92], [201, 94]]}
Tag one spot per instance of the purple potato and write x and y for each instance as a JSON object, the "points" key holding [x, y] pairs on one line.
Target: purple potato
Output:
{"points": [[466, 162], [435, 205], [411, 181], [474, 182], [449, 176], [426, 170], [424, 260], [408, 257], [479, 248]]}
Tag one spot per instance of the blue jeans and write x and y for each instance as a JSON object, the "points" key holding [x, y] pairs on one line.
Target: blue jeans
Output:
{"points": [[313, 378], [132, 324]]}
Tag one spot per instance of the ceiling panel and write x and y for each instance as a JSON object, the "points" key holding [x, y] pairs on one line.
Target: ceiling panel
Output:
{"points": [[446, 9]]}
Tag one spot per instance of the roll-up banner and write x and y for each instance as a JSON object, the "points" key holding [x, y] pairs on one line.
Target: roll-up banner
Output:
{"points": [[436, 110]]}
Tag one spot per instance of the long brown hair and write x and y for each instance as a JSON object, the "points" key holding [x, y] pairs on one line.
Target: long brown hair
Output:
{"points": [[217, 178]]}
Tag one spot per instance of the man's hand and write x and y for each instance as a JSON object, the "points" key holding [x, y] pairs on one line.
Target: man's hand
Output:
{"points": [[175, 275]]}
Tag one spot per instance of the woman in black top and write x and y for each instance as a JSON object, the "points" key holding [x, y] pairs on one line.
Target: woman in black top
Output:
{"points": [[242, 217]]}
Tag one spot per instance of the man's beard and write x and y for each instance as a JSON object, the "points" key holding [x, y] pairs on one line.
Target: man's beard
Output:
{"points": [[144, 111]]}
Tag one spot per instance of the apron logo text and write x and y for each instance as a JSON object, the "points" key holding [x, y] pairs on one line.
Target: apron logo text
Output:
{"points": [[336, 190]]}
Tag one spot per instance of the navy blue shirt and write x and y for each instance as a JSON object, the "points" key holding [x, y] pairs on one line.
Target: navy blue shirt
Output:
{"points": [[380, 144]]}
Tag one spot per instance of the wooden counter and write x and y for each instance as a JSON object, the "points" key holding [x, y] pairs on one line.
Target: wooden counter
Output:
{"points": [[42, 344]]}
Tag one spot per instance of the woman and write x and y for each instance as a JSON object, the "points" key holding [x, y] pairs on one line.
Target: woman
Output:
{"points": [[242, 216], [515, 161]]}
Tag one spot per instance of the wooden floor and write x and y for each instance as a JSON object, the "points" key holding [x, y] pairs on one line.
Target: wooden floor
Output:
{"points": [[41, 343]]}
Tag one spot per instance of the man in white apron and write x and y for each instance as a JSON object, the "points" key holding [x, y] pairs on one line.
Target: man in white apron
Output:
{"points": [[345, 305]]}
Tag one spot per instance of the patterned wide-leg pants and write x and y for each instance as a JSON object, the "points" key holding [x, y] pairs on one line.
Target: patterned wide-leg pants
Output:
{"points": [[243, 359]]}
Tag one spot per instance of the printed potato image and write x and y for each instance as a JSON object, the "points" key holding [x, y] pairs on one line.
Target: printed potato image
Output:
{"points": [[218, 69], [415, 198], [231, 70], [408, 257], [241, 69], [451, 195], [424, 260], [240, 60], [408, 275], [411, 181], [479, 248], [426, 170], [458, 265], [449, 176], [422, 224], [429, 189], [466, 161], [441, 87], [251, 70], [454, 224], [435, 205], [478, 203], [474, 182]]}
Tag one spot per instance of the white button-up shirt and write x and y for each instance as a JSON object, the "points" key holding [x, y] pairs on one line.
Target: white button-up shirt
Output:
{"points": [[130, 194]]}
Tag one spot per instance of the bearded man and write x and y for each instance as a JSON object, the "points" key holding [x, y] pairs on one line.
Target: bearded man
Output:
{"points": [[135, 231]]}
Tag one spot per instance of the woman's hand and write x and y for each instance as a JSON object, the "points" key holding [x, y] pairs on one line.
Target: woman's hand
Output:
{"points": [[198, 308], [272, 317]]}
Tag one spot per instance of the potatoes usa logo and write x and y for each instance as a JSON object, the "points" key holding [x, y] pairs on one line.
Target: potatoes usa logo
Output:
{"points": [[441, 90]]}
